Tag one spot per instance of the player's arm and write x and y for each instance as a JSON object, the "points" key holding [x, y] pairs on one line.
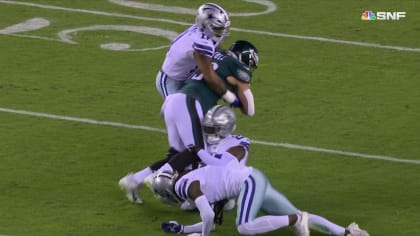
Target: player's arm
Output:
{"points": [[236, 152], [206, 212], [203, 205], [204, 64], [244, 94]]}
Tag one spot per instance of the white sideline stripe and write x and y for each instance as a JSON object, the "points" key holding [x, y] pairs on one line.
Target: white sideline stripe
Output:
{"points": [[338, 152], [148, 128], [82, 120], [362, 44]]}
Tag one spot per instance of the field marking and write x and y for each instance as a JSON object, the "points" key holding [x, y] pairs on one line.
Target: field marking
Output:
{"points": [[29, 25], [285, 145], [313, 38], [148, 128], [271, 7]]}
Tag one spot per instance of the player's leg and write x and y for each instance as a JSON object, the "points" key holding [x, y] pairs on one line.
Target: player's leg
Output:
{"points": [[323, 225], [184, 129], [278, 204], [165, 85], [174, 109], [189, 123], [132, 181], [251, 200]]}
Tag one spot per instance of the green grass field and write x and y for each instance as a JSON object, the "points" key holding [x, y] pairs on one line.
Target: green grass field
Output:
{"points": [[336, 126]]}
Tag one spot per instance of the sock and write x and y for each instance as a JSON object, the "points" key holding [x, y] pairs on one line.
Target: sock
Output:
{"points": [[196, 228], [141, 175], [166, 167], [155, 166], [324, 226], [263, 224]]}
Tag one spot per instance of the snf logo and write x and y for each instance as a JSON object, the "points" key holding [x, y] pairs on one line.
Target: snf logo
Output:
{"points": [[383, 15]]}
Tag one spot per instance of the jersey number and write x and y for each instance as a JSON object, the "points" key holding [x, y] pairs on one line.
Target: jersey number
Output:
{"points": [[199, 76]]}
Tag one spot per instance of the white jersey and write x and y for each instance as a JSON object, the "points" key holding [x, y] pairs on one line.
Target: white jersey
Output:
{"points": [[219, 182], [228, 142], [179, 63], [216, 182]]}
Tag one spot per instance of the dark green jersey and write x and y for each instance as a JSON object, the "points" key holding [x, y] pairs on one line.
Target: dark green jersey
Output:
{"points": [[225, 66]]}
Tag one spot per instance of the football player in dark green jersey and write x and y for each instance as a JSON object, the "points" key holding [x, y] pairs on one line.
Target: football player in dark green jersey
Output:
{"points": [[235, 69]]}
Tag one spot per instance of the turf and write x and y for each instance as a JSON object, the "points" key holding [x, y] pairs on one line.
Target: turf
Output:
{"points": [[59, 174]]}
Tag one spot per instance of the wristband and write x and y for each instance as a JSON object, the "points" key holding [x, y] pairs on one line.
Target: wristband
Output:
{"points": [[229, 97]]}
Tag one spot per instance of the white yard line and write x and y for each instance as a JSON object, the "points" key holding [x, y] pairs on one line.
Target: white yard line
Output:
{"points": [[313, 38], [148, 128]]}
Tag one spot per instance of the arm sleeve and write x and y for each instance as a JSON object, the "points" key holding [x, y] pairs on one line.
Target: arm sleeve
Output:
{"points": [[206, 213], [250, 99]]}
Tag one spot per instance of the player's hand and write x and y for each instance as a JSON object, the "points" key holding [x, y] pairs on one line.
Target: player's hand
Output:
{"points": [[236, 103], [172, 227], [232, 99], [194, 149]]}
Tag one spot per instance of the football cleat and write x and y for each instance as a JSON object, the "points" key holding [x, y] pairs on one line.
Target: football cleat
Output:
{"points": [[131, 188], [172, 227], [354, 230], [302, 226]]}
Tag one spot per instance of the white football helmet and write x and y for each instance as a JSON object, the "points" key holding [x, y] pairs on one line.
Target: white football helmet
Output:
{"points": [[218, 123], [213, 20]]}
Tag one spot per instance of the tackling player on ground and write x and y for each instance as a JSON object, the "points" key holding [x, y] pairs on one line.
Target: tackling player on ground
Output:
{"points": [[235, 179]]}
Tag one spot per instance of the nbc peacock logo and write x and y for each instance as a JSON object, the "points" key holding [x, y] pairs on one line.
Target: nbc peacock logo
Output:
{"points": [[368, 15]]}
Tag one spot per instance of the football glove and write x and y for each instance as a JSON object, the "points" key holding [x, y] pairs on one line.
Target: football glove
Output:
{"points": [[172, 227], [236, 103]]}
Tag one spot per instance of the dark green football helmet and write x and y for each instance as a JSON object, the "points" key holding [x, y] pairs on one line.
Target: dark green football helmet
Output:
{"points": [[245, 52]]}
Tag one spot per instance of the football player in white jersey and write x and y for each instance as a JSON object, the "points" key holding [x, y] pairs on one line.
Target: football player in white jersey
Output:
{"points": [[227, 177], [183, 111], [193, 50]]}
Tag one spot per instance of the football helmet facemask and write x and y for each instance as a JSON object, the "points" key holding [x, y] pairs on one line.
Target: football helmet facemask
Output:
{"points": [[218, 123], [163, 187], [245, 52], [213, 20]]}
